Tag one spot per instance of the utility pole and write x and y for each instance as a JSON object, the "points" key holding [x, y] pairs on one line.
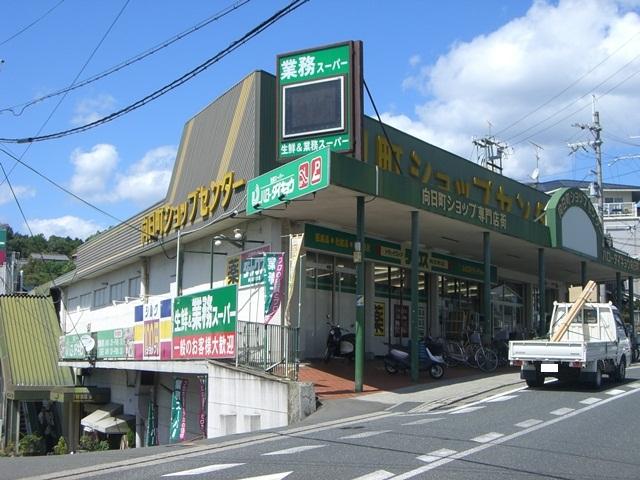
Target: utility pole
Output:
{"points": [[493, 152], [596, 144]]}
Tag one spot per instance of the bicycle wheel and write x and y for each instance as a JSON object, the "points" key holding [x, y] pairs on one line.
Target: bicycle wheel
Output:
{"points": [[486, 359]]}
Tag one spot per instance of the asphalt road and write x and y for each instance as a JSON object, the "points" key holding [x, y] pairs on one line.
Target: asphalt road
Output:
{"points": [[558, 432]]}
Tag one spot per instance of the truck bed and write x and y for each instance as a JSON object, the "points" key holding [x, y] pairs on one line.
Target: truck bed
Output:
{"points": [[568, 351]]}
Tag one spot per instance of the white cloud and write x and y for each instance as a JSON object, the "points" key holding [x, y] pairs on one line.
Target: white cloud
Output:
{"points": [[96, 178], [89, 110], [21, 192], [93, 170], [415, 60], [147, 180], [67, 225], [502, 76]]}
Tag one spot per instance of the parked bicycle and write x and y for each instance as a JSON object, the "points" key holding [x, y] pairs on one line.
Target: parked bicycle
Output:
{"points": [[471, 353]]}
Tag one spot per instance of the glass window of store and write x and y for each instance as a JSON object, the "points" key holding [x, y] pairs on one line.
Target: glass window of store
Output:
{"points": [[507, 300], [459, 306], [393, 292]]}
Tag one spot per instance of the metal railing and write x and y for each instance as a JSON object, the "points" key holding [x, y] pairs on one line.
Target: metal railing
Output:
{"points": [[270, 348], [624, 209]]}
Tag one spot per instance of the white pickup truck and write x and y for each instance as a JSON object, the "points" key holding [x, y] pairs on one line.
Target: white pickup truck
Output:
{"points": [[594, 344]]}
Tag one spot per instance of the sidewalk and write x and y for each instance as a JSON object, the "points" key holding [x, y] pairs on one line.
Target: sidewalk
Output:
{"points": [[334, 386], [335, 379]]}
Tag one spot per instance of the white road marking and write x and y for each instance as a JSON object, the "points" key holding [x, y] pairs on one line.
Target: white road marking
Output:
{"points": [[504, 398], [289, 451], [422, 421], [201, 470], [372, 433], [590, 400], [528, 423], [487, 437], [466, 410], [499, 441], [562, 411], [271, 476], [377, 475], [482, 400], [437, 455], [614, 391]]}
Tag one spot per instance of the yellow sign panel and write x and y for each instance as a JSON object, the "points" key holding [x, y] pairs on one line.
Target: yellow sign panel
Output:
{"points": [[201, 203]]}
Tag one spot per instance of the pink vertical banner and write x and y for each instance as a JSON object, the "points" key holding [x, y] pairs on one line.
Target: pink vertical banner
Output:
{"points": [[273, 275], [203, 405]]}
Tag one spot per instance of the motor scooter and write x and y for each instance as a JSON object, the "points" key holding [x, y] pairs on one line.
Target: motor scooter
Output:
{"points": [[339, 344], [399, 359]]}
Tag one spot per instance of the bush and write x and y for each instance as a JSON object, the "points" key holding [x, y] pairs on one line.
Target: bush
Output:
{"points": [[31, 445], [9, 450], [61, 448], [131, 439], [92, 444]]}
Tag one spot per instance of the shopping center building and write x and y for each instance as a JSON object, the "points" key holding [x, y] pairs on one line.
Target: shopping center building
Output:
{"points": [[275, 223]]}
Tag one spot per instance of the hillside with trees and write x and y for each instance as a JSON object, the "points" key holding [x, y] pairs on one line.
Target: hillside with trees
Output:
{"points": [[38, 271]]}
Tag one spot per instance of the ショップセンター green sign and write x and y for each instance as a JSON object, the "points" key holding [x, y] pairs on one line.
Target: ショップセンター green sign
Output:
{"points": [[290, 181]]}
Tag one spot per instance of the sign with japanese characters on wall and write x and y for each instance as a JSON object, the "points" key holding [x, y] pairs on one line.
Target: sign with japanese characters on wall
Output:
{"points": [[200, 204], [204, 324], [116, 344], [152, 330], [77, 346], [290, 181], [454, 187], [330, 240], [319, 105]]}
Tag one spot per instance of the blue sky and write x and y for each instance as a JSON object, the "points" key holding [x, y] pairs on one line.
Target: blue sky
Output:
{"points": [[444, 71]]}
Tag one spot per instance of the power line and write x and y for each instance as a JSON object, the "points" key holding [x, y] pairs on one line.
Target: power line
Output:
{"points": [[170, 86], [47, 266], [572, 113], [68, 192], [575, 82], [24, 29], [86, 63], [568, 105], [23, 106]]}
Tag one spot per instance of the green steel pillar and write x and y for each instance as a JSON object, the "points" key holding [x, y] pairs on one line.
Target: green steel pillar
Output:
{"points": [[415, 240], [632, 318], [541, 290], [488, 318], [359, 261], [619, 291], [583, 274]]}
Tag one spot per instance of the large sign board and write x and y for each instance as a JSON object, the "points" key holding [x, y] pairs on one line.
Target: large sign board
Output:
{"points": [[204, 324], [290, 181], [320, 100], [152, 331]]}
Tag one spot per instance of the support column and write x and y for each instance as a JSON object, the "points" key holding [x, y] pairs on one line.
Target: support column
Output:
{"points": [[211, 257], [619, 291], [415, 240], [541, 290], [632, 318], [583, 274], [359, 261], [178, 267], [488, 317]]}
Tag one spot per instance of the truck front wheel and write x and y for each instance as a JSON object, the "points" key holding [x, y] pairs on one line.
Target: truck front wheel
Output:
{"points": [[621, 371]]}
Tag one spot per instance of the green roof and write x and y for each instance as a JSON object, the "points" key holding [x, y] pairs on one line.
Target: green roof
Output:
{"points": [[29, 333]]}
